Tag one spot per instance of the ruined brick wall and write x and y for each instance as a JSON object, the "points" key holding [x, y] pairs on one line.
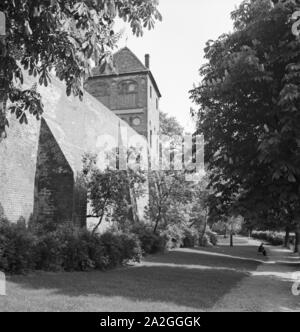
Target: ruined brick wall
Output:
{"points": [[40, 162], [54, 181], [79, 204], [18, 156]]}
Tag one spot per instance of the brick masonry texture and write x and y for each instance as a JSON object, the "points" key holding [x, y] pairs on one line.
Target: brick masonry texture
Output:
{"points": [[115, 101], [142, 105], [40, 162], [54, 181], [18, 156]]}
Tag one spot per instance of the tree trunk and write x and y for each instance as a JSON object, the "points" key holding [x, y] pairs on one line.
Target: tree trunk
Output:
{"points": [[158, 219], [231, 239], [98, 225], [156, 225], [297, 244], [155, 228], [297, 233], [287, 237], [132, 195], [204, 229], [225, 233]]}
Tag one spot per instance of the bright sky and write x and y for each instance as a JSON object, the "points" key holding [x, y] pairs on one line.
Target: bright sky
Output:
{"points": [[176, 48]]}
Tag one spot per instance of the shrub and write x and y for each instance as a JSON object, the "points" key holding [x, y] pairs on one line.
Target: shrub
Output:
{"points": [[96, 251], [48, 253], [213, 237], [151, 243], [158, 245], [273, 238], [66, 249], [174, 236], [204, 241], [219, 228], [83, 251], [75, 251], [17, 248], [132, 250], [191, 238], [112, 252]]}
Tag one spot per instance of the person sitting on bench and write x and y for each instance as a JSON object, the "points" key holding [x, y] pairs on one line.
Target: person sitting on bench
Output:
{"points": [[262, 250]]}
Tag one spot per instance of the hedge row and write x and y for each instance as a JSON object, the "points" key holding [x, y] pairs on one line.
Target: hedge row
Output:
{"points": [[273, 238], [70, 249], [178, 236]]}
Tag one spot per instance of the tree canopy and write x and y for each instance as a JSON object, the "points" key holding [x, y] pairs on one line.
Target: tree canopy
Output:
{"points": [[249, 113], [65, 37], [111, 192], [169, 126]]}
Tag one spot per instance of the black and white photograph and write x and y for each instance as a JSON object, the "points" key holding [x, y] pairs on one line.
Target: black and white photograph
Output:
{"points": [[149, 160]]}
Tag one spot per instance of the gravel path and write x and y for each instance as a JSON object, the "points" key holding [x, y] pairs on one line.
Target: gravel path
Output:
{"points": [[267, 289]]}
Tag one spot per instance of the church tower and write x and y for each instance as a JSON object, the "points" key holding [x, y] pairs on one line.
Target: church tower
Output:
{"points": [[131, 92]]}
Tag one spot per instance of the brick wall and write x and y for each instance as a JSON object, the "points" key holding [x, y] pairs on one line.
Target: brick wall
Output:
{"points": [[70, 128], [18, 156], [142, 106], [116, 102], [54, 181]]}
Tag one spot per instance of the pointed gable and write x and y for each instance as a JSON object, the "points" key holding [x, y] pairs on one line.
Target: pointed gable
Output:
{"points": [[125, 61]]}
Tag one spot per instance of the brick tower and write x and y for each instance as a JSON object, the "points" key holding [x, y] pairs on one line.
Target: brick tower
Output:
{"points": [[131, 92]]}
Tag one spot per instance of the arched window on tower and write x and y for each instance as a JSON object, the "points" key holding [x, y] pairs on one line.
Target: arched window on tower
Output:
{"points": [[128, 94]]}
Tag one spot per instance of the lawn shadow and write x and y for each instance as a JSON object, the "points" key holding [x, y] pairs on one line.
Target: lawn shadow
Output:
{"points": [[192, 288], [241, 259], [189, 279]]}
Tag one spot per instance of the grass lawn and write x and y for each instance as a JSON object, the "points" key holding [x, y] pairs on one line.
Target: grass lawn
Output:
{"points": [[181, 280]]}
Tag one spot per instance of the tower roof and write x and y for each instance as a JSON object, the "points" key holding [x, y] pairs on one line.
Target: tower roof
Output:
{"points": [[126, 63]]}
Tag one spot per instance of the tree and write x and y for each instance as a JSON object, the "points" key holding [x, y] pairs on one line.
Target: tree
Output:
{"points": [[110, 191], [249, 110], [168, 192], [169, 126], [224, 208], [174, 201], [64, 37], [199, 206], [235, 225]]}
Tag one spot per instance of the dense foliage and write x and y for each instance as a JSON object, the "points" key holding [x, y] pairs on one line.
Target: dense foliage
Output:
{"points": [[178, 209], [273, 238], [65, 37], [112, 193], [151, 243], [169, 126], [66, 249], [249, 102]]}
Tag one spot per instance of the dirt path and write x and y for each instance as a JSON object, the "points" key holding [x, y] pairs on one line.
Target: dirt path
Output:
{"points": [[268, 289]]}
